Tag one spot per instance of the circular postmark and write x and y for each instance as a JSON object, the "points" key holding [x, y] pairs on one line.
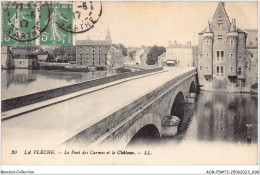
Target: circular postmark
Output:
{"points": [[84, 16], [21, 20]]}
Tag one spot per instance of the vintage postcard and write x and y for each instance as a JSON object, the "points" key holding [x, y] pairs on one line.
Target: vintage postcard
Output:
{"points": [[129, 83]]}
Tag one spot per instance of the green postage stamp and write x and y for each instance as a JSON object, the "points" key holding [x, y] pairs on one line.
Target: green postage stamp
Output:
{"points": [[61, 16], [46, 23]]}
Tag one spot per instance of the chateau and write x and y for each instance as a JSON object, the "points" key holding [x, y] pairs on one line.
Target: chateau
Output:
{"points": [[224, 62]]}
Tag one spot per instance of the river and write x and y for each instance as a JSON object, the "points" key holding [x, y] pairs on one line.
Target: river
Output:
{"points": [[19, 82], [215, 117]]}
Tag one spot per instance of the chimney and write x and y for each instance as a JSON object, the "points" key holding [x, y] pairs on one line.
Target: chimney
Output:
{"points": [[223, 4]]}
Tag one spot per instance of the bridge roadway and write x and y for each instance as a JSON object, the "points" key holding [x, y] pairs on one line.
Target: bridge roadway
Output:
{"points": [[56, 123]]}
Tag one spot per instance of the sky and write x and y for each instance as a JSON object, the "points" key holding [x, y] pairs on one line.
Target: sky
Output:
{"points": [[155, 23]]}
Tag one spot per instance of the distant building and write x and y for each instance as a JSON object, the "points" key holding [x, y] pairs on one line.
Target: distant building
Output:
{"points": [[140, 55], [92, 53], [24, 59], [42, 56], [7, 61], [115, 58], [161, 59], [182, 54]]}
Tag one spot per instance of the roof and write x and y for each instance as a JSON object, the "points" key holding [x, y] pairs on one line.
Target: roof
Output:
{"points": [[171, 61], [221, 6], [20, 52], [250, 30], [176, 45], [114, 50], [208, 29], [93, 42]]}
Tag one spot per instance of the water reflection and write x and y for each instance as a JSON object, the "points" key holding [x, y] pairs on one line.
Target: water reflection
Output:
{"points": [[223, 116], [215, 117], [21, 82]]}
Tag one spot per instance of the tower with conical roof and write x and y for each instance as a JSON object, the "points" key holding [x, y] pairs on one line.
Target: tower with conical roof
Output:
{"points": [[207, 55], [232, 36]]}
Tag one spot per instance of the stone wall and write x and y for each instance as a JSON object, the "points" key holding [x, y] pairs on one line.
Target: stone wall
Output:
{"points": [[45, 95]]}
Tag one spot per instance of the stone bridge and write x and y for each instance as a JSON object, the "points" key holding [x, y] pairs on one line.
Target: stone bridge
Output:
{"points": [[113, 113], [144, 116]]}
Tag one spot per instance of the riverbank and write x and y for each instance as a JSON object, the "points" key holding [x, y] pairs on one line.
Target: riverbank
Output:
{"points": [[226, 86]]}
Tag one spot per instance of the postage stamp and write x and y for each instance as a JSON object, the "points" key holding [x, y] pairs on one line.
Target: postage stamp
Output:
{"points": [[19, 23], [52, 23], [60, 16]]}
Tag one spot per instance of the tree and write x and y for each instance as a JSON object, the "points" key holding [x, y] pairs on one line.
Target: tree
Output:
{"points": [[50, 58], [155, 52], [122, 48], [59, 51]]}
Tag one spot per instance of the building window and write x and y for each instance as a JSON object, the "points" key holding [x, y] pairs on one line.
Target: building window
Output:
{"points": [[207, 68], [231, 69], [81, 63], [231, 42], [220, 25], [200, 67], [93, 63], [231, 56], [250, 43], [217, 70], [207, 55], [207, 42], [222, 69], [20, 62], [220, 55], [220, 14], [220, 38], [239, 71]]}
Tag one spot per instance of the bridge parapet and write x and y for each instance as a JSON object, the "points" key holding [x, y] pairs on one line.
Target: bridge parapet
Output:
{"points": [[110, 128]]}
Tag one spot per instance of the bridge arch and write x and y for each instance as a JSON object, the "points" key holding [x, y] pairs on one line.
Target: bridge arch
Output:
{"points": [[148, 124], [148, 132], [192, 88], [178, 105]]}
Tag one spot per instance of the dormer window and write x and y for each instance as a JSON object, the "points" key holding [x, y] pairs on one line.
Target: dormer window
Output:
{"points": [[219, 25], [220, 38]]}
